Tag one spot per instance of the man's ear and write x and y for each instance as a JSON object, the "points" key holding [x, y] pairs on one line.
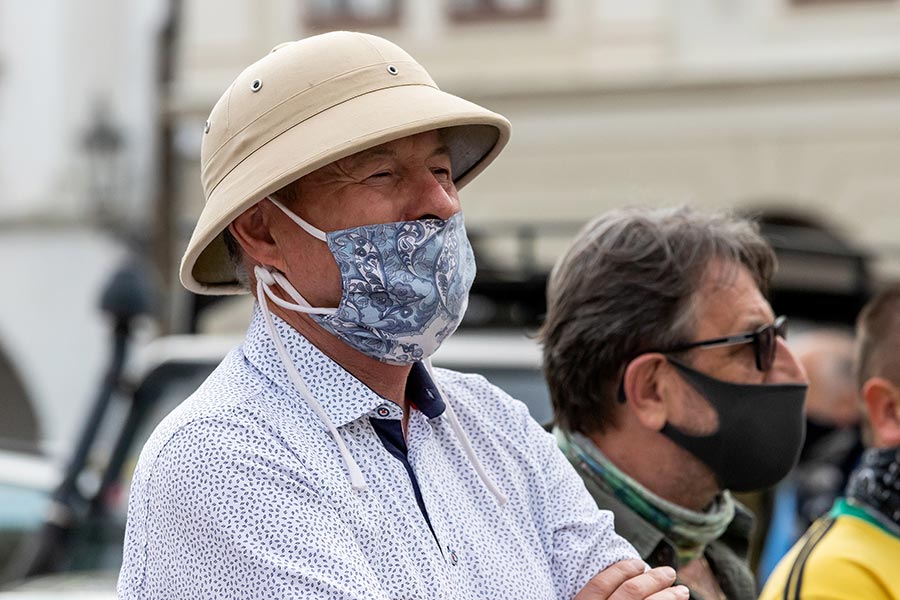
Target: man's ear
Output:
{"points": [[882, 399], [251, 230], [642, 390]]}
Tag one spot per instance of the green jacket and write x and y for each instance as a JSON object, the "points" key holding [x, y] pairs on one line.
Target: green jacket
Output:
{"points": [[727, 556]]}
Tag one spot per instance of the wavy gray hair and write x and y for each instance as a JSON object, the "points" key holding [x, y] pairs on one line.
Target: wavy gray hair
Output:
{"points": [[626, 285]]}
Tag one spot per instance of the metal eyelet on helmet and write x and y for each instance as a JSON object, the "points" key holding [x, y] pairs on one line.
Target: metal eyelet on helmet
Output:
{"points": [[393, 70], [206, 127], [256, 85]]}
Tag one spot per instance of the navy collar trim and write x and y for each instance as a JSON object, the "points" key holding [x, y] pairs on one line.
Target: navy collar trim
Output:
{"points": [[422, 393]]}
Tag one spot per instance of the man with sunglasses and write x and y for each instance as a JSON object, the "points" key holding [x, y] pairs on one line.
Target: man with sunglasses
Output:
{"points": [[672, 385]]}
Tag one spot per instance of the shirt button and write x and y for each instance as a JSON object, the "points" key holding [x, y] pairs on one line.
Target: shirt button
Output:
{"points": [[383, 411], [453, 556]]}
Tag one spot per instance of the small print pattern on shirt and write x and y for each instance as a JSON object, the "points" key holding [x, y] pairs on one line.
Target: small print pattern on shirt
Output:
{"points": [[242, 493]]}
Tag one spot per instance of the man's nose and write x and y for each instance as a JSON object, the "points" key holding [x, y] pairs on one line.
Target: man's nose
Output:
{"points": [[428, 196], [786, 368]]}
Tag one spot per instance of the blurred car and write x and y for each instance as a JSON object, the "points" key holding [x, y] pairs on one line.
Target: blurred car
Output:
{"points": [[88, 585], [26, 483]]}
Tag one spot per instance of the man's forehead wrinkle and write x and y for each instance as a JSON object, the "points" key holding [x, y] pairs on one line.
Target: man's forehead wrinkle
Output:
{"points": [[329, 172], [739, 314], [345, 166], [342, 168], [720, 274], [354, 160], [384, 150]]}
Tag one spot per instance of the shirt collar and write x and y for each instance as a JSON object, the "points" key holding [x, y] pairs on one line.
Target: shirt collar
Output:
{"points": [[343, 397], [422, 392]]}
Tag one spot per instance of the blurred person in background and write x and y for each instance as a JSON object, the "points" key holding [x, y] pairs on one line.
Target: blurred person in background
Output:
{"points": [[672, 384], [832, 446], [325, 458], [854, 551]]}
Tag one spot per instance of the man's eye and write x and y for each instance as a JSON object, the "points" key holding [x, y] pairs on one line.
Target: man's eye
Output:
{"points": [[380, 175], [441, 172]]}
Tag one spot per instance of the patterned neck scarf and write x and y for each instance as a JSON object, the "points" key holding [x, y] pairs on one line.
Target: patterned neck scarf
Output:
{"points": [[875, 484], [689, 531]]}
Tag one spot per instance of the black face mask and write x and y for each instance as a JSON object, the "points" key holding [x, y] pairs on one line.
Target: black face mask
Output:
{"points": [[760, 432]]}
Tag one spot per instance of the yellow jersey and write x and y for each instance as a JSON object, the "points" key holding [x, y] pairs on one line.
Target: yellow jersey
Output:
{"points": [[847, 554]]}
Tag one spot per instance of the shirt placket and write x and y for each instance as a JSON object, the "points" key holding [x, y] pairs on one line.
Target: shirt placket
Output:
{"points": [[421, 456]]}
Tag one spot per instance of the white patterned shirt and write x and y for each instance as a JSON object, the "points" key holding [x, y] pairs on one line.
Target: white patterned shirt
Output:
{"points": [[242, 493]]}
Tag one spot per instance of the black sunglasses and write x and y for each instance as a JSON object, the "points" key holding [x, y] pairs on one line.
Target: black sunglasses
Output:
{"points": [[763, 340]]}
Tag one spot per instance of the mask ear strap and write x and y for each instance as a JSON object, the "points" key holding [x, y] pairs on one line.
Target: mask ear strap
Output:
{"points": [[463, 439], [263, 280], [311, 230], [268, 278]]}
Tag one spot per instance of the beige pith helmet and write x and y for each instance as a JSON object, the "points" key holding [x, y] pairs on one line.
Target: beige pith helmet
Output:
{"points": [[305, 105]]}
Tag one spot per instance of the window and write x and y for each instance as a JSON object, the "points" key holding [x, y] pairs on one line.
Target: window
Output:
{"points": [[463, 11], [350, 14]]}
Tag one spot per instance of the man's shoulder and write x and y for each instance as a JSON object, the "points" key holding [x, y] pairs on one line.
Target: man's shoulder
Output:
{"points": [[838, 557], [848, 540], [226, 394], [474, 391], [233, 402], [479, 403], [856, 541]]}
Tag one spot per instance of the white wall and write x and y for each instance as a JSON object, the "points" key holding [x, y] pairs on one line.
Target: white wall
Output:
{"points": [[34, 130], [57, 58]]}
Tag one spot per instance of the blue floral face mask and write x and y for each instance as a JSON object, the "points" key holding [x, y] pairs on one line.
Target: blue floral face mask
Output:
{"points": [[405, 285]]}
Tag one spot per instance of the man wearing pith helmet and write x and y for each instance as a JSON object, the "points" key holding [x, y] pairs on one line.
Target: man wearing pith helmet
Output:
{"points": [[325, 458]]}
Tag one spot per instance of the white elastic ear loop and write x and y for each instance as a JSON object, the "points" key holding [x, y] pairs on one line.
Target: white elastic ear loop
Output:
{"points": [[356, 477], [310, 229], [270, 278], [499, 496]]}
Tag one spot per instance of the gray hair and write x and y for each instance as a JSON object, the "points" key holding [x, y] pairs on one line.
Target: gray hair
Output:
{"points": [[625, 286], [236, 255], [287, 195]]}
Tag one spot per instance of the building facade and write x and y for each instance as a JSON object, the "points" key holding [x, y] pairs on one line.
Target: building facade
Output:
{"points": [[758, 105]]}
